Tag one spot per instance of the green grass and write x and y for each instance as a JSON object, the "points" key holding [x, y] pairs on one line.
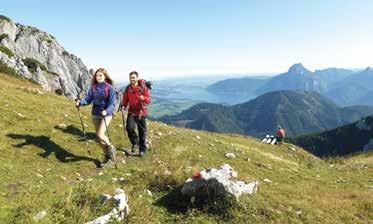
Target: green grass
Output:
{"points": [[6, 51], [46, 167], [6, 70]]}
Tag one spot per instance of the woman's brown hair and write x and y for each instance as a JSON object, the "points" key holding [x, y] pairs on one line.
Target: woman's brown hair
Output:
{"points": [[108, 79]]}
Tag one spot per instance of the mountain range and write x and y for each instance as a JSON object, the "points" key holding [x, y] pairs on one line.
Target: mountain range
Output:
{"points": [[345, 87], [297, 111]]}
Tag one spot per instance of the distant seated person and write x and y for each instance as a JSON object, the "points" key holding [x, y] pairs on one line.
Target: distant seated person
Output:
{"points": [[280, 135]]}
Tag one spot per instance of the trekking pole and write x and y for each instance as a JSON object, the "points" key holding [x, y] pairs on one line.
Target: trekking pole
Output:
{"points": [[108, 136], [82, 124], [124, 130]]}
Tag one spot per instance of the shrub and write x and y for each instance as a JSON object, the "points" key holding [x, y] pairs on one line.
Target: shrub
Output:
{"points": [[32, 64], [46, 39], [8, 70], [3, 36], [12, 72], [6, 51], [2, 17]]}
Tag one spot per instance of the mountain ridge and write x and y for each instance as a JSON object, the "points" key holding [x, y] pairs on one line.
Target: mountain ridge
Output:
{"points": [[297, 111], [36, 55]]}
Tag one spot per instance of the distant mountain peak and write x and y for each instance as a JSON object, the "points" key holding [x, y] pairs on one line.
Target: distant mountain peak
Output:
{"points": [[298, 69], [369, 68]]}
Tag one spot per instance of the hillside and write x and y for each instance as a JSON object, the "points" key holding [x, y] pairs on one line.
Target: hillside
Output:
{"points": [[348, 139], [46, 167], [297, 111]]}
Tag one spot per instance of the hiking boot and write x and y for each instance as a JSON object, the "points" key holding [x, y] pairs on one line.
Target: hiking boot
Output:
{"points": [[105, 160], [134, 148], [142, 154], [112, 152]]}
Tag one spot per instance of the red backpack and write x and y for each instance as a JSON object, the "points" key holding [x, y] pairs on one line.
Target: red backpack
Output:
{"points": [[143, 84]]}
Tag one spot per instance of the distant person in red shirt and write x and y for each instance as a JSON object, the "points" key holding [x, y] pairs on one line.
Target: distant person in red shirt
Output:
{"points": [[280, 135], [136, 97]]}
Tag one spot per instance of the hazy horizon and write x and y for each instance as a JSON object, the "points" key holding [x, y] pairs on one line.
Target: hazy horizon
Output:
{"points": [[173, 39]]}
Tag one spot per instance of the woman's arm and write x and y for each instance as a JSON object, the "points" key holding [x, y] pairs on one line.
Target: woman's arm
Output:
{"points": [[88, 98]]}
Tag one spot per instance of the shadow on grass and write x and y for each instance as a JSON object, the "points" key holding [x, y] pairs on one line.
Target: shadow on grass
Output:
{"points": [[71, 129], [177, 203], [174, 201], [50, 147]]}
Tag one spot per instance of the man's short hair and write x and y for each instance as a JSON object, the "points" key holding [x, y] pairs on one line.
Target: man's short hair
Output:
{"points": [[134, 73]]}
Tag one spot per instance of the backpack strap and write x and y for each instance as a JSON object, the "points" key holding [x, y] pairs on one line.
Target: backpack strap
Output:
{"points": [[107, 89], [142, 86]]}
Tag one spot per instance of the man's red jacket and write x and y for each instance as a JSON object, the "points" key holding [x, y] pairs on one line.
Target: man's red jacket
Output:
{"points": [[280, 133], [131, 98]]}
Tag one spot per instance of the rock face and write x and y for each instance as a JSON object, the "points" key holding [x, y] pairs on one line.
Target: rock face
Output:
{"points": [[217, 182], [38, 56]]}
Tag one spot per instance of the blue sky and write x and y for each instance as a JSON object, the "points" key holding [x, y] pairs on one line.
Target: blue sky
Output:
{"points": [[173, 38]]}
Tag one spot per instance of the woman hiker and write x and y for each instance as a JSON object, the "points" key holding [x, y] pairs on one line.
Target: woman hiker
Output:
{"points": [[102, 95]]}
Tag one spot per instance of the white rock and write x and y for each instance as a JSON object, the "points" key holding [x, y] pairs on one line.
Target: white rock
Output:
{"points": [[149, 193], [101, 173], [40, 215], [167, 173], [20, 115], [267, 180], [62, 125], [119, 212], [219, 182], [197, 137], [230, 155]]}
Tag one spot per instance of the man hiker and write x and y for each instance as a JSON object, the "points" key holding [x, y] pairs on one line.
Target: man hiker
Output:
{"points": [[280, 135], [136, 97]]}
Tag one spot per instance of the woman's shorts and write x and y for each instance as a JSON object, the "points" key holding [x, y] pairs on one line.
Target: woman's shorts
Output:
{"points": [[97, 119]]}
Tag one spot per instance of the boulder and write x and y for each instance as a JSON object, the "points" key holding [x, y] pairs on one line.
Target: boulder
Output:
{"points": [[217, 182]]}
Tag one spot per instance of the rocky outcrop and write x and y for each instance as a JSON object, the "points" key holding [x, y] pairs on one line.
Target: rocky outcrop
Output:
{"points": [[38, 56], [217, 182]]}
